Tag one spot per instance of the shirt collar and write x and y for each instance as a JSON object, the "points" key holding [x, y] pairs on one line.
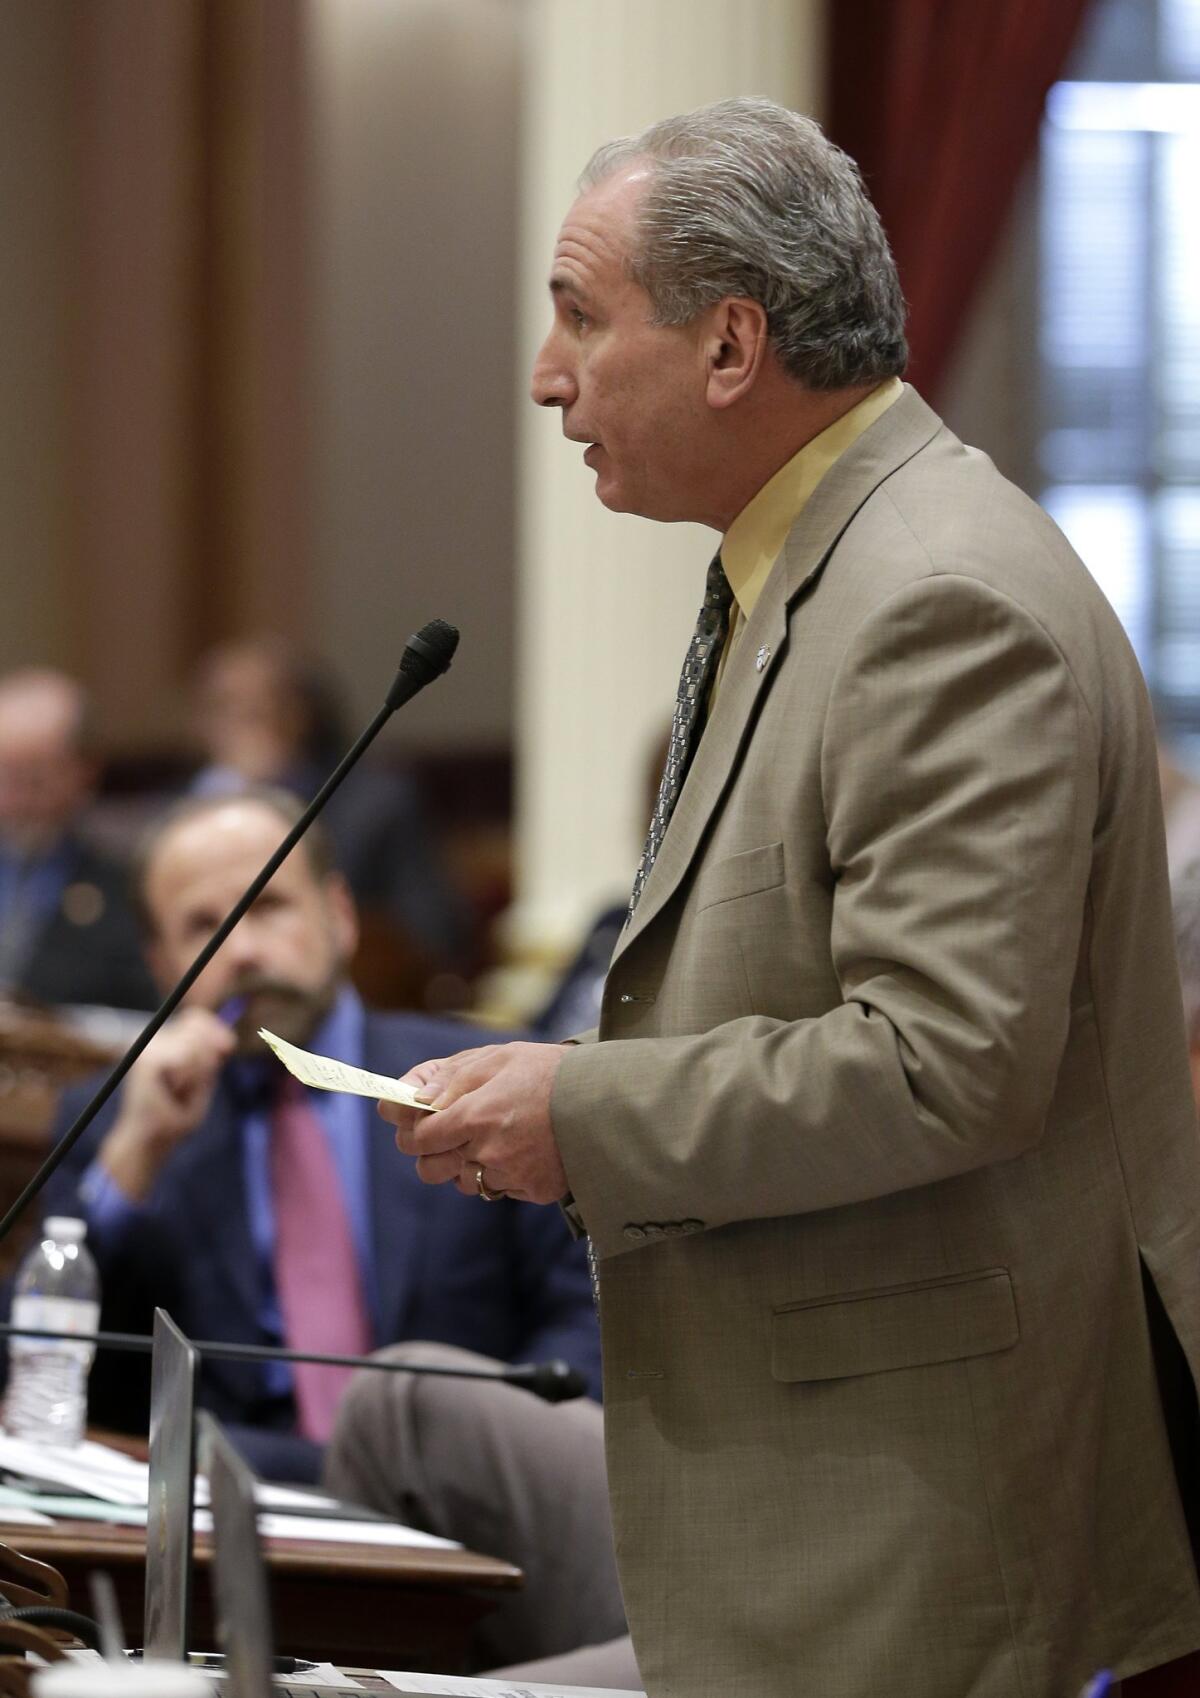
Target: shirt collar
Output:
{"points": [[340, 1034], [254, 1079], [754, 541]]}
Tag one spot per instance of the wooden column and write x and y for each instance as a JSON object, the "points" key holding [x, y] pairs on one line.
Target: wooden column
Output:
{"points": [[188, 467]]}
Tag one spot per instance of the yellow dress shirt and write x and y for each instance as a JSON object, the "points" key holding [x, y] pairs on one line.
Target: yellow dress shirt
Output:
{"points": [[754, 541]]}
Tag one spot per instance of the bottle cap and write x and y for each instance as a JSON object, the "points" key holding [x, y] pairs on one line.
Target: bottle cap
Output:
{"points": [[65, 1228]]}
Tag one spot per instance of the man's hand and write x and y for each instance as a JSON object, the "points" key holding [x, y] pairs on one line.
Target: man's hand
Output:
{"points": [[494, 1114], [165, 1098]]}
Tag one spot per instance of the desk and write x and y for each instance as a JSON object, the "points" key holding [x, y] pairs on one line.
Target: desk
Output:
{"points": [[372, 1606], [39, 1054]]}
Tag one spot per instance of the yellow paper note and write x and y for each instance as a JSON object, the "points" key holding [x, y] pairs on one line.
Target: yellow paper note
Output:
{"points": [[325, 1074]]}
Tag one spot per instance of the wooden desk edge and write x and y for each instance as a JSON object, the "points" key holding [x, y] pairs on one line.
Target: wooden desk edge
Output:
{"points": [[408, 1565]]}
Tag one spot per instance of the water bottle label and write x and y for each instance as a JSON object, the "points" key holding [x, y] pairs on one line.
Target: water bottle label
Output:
{"points": [[55, 1314]]}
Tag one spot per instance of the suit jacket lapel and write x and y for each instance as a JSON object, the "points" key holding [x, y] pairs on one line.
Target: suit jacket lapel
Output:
{"points": [[716, 758], [894, 438]]}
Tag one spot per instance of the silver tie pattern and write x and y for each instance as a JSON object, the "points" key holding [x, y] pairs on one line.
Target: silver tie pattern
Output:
{"points": [[687, 722], [695, 681]]}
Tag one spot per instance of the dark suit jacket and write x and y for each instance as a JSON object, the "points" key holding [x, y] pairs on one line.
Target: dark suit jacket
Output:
{"points": [[89, 950], [504, 1278]]}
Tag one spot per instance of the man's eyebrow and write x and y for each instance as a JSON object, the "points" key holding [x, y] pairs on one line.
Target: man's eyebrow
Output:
{"points": [[560, 286]]}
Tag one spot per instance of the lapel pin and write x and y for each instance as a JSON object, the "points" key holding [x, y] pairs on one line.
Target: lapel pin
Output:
{"points": [[762, 657]]}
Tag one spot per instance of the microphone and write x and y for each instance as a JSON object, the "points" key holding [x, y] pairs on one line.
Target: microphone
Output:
{"points": [[426, 656], [554, 1381]]}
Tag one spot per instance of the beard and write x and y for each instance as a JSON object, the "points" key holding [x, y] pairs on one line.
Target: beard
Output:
{"points": [[291, 1011]]}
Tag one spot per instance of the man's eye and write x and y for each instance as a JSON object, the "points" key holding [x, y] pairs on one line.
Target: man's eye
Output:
{"points": [[579, 318]]}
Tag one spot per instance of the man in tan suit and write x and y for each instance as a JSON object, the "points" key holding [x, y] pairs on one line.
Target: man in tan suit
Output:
{"points": [[886, 1149]]}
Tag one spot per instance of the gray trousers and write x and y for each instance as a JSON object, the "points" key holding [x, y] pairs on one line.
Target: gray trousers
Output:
{"points": [[507, 1475]]}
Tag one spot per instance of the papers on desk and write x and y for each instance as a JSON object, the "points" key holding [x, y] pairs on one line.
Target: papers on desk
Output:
{"points": [[327, 1675], [332, 1678], [325, 1074], [338, 1532], [458, 1686], [18, 1504], [101, 1484], [320, 1674], [18, 1515], [94, 1469]]}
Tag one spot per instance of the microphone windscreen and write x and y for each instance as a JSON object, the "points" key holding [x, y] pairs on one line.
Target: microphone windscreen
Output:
{"points": [[554, 1382], [427, 654]]}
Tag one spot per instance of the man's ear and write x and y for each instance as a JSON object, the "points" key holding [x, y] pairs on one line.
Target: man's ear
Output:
{"points": [[735, 346], [343, 914], [155, 957]]}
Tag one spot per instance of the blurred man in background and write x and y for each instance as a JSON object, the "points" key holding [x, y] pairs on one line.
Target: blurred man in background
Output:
{"points": [[507, 1474], [67, 930], [257, 1212]]}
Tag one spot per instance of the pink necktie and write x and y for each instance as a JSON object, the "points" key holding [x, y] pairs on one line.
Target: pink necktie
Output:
{"points": [[317, 1277]]}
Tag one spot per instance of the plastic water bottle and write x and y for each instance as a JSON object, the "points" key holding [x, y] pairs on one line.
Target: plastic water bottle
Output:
{"points": [[57, 1288]]}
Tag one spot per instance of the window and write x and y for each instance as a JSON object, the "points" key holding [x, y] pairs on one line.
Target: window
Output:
{"points": [[1119, 325]]}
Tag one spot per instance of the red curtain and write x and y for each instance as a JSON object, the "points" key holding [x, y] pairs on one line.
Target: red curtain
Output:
{"points": [[940, 101]]}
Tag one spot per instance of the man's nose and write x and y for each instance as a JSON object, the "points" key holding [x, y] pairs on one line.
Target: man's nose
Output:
{"points": [[241, 948], [552, 383]]}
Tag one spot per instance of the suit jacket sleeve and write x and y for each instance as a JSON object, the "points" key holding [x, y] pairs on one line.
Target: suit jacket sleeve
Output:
{"points": [[960, 776], [61, 1195]]}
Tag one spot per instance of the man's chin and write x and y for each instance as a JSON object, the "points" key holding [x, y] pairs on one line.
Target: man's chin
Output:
{"points": [[609, 494]]}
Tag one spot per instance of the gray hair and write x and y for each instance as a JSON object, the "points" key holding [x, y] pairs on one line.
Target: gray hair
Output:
{"points": [[747, 198], [1185, 904]]}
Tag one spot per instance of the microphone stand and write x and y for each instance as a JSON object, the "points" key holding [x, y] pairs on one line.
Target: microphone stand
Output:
{"points": [[554, 1381], [426, 656]]}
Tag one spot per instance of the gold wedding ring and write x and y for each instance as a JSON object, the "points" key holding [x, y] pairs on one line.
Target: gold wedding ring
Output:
{"points": [[481, 1186]]}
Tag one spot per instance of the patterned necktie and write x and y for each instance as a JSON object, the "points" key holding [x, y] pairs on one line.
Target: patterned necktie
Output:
{"points": [[317, 1277], [687, 723]]}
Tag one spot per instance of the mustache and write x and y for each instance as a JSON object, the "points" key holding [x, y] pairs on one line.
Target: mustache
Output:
{"points": [[265, 984], [257, 999]]}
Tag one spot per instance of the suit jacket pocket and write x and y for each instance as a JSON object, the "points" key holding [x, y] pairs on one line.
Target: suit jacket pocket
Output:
{"points": [[904, 1326], [741, 875]]}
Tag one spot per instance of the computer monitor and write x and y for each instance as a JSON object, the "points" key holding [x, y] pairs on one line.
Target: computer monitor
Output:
{"points": [[172, 1483], [239, 1571]]}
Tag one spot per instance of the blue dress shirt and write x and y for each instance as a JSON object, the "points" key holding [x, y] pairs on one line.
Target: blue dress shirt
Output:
{"points": [[29, 893], [348, 1122]]}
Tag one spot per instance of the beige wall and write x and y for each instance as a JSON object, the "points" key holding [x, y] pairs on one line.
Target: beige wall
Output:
{"points": [[415, 113]]}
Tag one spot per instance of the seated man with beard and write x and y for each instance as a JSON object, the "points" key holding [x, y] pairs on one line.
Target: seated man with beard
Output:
{"points": [[257, 1212]]}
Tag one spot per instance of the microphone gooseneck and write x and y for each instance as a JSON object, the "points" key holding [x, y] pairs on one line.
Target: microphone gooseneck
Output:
{"points": [[426, 656], [554, 1381]]}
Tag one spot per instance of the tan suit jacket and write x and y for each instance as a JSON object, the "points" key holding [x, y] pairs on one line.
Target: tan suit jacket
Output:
{"points": [[891, 1106]]}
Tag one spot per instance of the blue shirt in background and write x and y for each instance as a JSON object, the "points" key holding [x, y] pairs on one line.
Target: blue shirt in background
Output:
{"points": [[348, 1122]]}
